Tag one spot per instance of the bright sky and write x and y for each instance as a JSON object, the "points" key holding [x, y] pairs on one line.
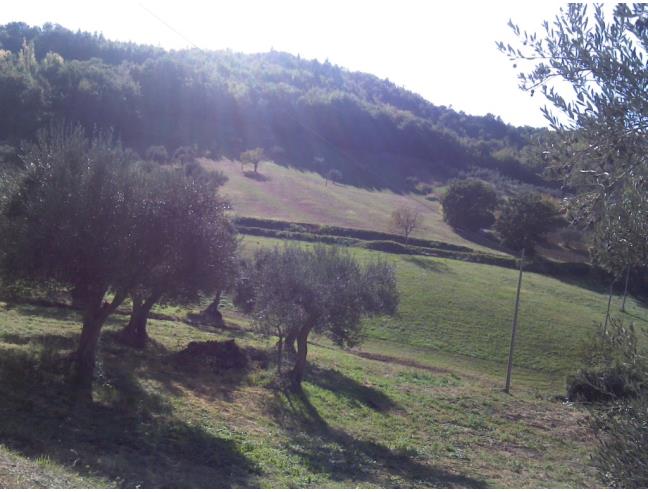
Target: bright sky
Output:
{"points": [[444, 51]]}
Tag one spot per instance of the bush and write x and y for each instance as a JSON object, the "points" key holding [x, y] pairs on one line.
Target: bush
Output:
{"points": [[469, 204], [616, 374], [622, 458], [525, 219], [603, 385], [157, 153]]}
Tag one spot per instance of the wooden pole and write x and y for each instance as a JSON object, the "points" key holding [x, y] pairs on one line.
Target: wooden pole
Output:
{"points": [[625, 290], [607, 315], [507, 388]]}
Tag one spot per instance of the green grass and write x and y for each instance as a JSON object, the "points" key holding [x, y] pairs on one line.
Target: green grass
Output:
{"points": [[299, 196], [419, 404], [459, 308], [358, 423]]}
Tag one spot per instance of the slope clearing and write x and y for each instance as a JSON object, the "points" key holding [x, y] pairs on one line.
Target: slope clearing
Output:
{"points": [[293, 195]]}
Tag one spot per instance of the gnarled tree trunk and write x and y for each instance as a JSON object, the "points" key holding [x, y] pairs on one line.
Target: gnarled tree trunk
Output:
{"points": [[211, 313], [95, 314], [297, 374], [134, 333], [289, 342]]}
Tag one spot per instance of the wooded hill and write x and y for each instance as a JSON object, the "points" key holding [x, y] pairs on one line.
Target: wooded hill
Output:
{"points": [[303, 113]]}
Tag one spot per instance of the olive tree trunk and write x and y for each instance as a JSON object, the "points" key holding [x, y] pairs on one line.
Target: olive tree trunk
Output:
{"points": [[212, 313], [134, 333], [94, 317], [289, 342], [297, 374]]}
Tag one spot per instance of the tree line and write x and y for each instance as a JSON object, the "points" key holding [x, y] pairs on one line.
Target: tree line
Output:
{"points": [[304, 112]]}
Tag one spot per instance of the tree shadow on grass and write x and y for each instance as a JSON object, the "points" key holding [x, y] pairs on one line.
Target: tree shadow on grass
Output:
{"points": [[130, 437], [335, 381], [256, 176], [427, 264], [343, 457], [52, 312]]}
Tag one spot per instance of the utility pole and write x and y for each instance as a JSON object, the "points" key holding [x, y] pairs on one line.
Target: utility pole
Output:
{"points": [[625, 291], [607, 315], [507, 388]]}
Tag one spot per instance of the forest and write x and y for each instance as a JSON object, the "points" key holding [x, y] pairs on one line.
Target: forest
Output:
{"points": [[306, 113]]}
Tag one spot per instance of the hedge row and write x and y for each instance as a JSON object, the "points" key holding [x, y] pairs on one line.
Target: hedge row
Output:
{"points": [[327, 230], [538, 265]]}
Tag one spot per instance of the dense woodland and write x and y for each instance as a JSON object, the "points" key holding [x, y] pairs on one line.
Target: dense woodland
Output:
{"points": [[301, 112]]}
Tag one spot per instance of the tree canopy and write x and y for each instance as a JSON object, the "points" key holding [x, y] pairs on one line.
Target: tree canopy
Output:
{"points": [[85, 216], [525, 219], [469, 204], [295, 290]]}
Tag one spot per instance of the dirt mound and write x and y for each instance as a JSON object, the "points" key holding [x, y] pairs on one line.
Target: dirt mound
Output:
{"points": [[220, 355]]}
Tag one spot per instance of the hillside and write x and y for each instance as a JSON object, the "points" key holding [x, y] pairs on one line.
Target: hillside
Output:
{"points": [[405, 409], [288, 194], [464, 310], [304, 113]]}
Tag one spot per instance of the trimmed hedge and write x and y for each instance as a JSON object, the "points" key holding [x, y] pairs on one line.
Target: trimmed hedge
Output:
{"points": [[394, 244], [348, 232]]}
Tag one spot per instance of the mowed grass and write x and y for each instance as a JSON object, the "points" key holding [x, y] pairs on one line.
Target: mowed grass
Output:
{"points": [[419, 404], [460, 308], [293, 195], [358, 423]]}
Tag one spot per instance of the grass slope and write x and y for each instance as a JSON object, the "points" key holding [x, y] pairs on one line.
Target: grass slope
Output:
{"points": [[419, 404], [466, 309], [292, 195], [359, 422]]}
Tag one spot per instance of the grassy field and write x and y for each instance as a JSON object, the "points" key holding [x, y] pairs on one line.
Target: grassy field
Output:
{"points": [[359, 423], [289, 194], [459, 308], [418, 404]]}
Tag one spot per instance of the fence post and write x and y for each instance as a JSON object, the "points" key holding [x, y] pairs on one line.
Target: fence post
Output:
{"points": [[507, 388]]}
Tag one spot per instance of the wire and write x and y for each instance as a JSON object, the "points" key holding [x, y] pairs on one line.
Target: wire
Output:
{"points": [[168, 26]]}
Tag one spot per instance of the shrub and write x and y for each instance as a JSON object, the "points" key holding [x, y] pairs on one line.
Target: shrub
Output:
{"points": [[525, 219], [622, 458], [469, 204], [600, 385], [157, 153]]}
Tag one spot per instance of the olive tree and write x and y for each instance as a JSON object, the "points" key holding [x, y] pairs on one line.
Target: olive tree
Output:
{"points": [[296, 291], [69, 221], [191, 245], [590, 65]]}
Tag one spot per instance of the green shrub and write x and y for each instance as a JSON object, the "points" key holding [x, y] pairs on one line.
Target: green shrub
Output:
{"points": [[525, 219], [601, 385], [157, 153], [469, 204], [622, 457]]}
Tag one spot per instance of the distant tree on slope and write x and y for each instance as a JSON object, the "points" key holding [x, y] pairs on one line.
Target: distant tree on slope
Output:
{"points": [[525, 219], [405, 220], [253, 157]]}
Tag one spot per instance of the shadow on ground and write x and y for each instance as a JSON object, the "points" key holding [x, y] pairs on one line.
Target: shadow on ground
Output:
{"points": [[428, 264], [129, 436], [256, 176], [338, 383], [343, 457]]}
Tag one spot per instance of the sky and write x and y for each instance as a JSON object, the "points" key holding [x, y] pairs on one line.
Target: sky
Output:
{"points": [[444, 51]]}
